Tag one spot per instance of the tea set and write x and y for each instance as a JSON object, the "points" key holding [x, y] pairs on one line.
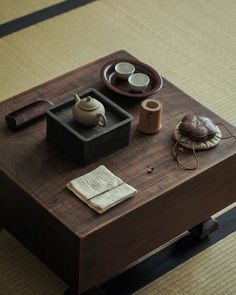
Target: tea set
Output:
{"points": [[137, 81], [133, 80], [88, 111]]}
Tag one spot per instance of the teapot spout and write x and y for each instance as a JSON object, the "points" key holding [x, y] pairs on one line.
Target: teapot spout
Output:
{"points": [[77, 98]]}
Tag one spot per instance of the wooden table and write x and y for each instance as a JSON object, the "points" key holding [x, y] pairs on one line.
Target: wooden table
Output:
{"points": [[86, 249]]}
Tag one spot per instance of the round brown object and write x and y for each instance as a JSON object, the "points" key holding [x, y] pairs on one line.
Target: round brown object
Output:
{"points": [[190, 143], [150, 116], [197, 128]]}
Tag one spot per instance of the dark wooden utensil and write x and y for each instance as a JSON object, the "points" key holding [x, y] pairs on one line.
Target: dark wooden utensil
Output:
{"points": [[27, 115]]}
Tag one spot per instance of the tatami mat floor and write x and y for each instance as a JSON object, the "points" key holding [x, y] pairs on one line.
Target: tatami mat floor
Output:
{"points": [[213, 271], [191, 43], [10, 10], [22, 273]]}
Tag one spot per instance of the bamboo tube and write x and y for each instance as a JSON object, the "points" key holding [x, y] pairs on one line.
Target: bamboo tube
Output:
{"points": [[150, 116]]}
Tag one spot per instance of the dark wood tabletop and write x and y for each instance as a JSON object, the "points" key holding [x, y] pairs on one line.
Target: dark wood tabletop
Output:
{"points": [[41, 170]]}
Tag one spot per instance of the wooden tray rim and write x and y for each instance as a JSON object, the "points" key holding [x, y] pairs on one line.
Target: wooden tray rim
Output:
{"points": [[111, 63]]}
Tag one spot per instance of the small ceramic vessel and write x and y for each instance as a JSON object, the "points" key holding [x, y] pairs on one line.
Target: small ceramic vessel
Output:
{"points": [[89, 111], [124, 70], [138, 82]]}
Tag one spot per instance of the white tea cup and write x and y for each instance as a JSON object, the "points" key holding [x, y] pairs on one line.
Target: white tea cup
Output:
{"points": [[138, 82], [124, 69]]}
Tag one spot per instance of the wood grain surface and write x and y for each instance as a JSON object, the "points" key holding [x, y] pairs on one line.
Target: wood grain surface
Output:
{"points": [[169, 200]]}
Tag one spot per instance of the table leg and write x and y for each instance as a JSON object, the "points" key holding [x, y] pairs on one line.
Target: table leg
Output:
{"points": [[203, 229], [93, 291]]}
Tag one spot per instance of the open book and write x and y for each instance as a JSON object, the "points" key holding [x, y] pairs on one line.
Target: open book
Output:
{"points": [[100, 189]]}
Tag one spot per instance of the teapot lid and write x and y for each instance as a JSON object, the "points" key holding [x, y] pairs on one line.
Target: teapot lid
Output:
{"points": [[89, 103]]}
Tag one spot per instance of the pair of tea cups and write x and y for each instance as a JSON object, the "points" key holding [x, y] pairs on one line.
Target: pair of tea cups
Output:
{"points": [[137, 81]]}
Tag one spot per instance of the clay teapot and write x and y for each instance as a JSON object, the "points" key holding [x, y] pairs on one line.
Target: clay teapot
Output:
{"points": [[89, 111]]}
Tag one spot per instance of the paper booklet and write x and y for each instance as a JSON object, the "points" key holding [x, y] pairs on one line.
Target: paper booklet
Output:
{"points": [[100, 189]]}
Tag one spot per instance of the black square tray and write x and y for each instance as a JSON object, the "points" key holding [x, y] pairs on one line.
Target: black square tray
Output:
{"points": [[87, 144]]}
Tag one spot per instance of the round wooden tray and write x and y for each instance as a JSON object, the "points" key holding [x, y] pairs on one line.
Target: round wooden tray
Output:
{"points": [[114, 83]]}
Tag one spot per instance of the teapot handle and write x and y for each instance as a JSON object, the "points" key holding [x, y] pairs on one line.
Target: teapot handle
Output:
{"points": [[102, 120]]}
